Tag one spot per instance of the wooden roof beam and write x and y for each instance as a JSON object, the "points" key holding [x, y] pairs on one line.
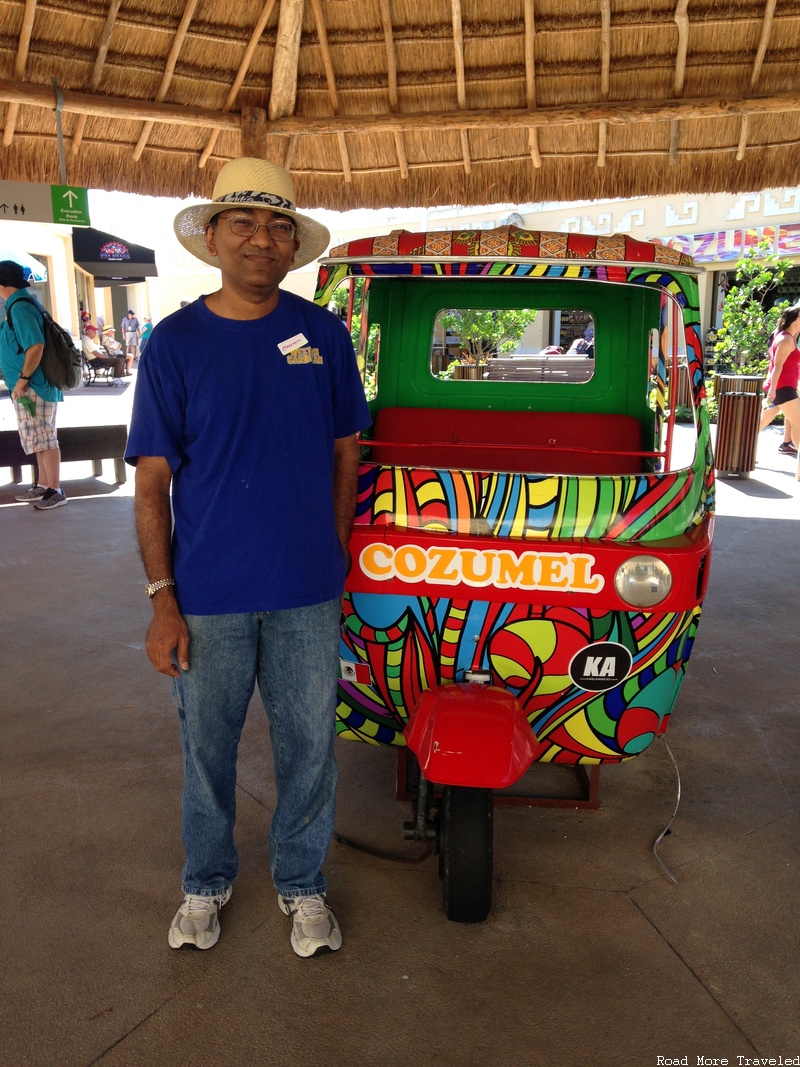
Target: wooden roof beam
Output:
{"points": [[461, 83], [616, 112], [530, 79], [605, 76], [169, 70], [330, 77], [26, 30], [391, 83], [679, 77], [766, 29], [241, 74], [97, 71], [291, 148], [283, 97]]}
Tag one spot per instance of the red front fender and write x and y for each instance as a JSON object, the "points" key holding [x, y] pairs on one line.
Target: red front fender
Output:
{"points": [[471, 735]]}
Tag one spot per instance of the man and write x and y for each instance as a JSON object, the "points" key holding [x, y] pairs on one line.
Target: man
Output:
{"points": [[130, 335], [247, 406], [35, 398], [97, 357], [110, 342]]}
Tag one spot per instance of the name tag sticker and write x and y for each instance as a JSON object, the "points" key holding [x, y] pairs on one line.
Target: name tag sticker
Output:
{"points": [[292, 343]]}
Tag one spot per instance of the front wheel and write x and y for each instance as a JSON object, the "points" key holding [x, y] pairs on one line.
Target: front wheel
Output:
{"points": [[465, 852]]}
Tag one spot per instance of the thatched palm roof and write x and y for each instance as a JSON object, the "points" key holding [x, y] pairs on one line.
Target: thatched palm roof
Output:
{"points": [[374, 103]]}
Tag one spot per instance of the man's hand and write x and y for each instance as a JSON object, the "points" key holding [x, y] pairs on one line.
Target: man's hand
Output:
{"points": [[166, 634]]}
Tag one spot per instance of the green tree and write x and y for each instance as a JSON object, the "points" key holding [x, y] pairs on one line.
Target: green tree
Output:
{"points": [[743, 338], [338, 303], [484, 333]]}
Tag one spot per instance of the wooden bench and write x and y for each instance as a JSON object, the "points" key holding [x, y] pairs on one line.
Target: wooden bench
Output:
{"points": [[552, 442], [77, 443], [539, 369]]}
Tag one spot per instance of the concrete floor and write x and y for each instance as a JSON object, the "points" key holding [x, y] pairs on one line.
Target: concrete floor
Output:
{"points": [[591, 955]]}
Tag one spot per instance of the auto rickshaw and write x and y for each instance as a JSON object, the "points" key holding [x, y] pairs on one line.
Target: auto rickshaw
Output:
{"points": [[535, 512]]}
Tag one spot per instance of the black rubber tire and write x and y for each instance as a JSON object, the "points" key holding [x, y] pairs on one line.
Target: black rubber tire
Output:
{"points": [[465, 849]]}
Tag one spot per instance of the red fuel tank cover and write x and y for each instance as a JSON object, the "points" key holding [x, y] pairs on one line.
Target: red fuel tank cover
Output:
{"points": [[471, 735]]}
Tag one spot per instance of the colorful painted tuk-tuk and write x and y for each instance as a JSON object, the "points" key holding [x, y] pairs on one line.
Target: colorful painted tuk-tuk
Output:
{"points": [[533, 531]]}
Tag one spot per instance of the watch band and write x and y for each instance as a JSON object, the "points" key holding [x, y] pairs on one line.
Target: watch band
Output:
{"points": [[25, 377], [154, 587]]}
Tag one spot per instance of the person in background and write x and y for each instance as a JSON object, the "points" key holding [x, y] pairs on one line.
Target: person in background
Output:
{"points": [[783, 379], [35, 398], [130, 335], [147, 329], [111, 344], [97, 356], [246, 586]]}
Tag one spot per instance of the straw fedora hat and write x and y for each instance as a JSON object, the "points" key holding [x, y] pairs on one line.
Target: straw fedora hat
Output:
{"points": [[249, 182]]}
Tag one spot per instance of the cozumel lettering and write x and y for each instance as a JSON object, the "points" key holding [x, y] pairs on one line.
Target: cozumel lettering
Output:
{"points": [[304, 355], [447, 565]]}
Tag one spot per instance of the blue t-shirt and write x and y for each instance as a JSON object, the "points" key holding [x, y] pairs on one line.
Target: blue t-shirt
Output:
{"points": [[15, 343], [246, 413]]}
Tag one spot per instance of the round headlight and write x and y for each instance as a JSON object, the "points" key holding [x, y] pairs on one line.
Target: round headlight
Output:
{"points": [[643, 581]]}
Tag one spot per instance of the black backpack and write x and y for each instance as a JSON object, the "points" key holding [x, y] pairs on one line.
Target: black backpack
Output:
{"points": [[62, 362]]}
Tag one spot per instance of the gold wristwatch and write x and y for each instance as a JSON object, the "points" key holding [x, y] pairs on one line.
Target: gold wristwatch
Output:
{"points": [[154, 587]]}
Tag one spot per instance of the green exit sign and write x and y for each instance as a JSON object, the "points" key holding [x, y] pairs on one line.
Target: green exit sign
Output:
{"points": [[70, 205]]}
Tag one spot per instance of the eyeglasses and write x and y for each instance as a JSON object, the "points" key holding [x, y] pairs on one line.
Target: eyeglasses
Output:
{"points": [[244, 226]]}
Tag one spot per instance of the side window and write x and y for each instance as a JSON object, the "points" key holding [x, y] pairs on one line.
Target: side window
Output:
{"points": [[348, 302], [670, 389], [367, 349], [513, 344]]}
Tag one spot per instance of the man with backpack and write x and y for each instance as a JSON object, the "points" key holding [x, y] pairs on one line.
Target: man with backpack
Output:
{"points": [[35, 399]]}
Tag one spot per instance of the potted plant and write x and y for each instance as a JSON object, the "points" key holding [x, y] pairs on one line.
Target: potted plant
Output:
{"points": [[743, 343], [743, 338], [482, 333]]}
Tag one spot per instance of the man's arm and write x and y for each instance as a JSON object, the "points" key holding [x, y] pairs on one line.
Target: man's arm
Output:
{"points": [[345, 487], [168, 632], [33, 357]]}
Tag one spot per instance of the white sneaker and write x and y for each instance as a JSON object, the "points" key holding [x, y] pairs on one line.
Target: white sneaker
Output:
{"points": [[196, 921], [314, 926]]}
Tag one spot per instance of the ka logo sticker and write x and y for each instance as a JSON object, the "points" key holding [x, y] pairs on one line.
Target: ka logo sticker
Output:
{"points": [[601, 666]]}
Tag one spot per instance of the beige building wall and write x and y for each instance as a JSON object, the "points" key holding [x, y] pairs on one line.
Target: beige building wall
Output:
{"points": [[52, 245]]}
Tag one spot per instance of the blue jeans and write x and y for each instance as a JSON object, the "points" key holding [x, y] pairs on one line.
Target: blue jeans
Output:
{"points": [[293, 655]]}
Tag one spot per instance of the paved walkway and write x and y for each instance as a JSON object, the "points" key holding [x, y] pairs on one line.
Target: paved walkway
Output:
{"points": [[592, 954]]}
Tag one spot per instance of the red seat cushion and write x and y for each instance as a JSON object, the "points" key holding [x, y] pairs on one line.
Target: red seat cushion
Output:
{"points": [[494, 440]]}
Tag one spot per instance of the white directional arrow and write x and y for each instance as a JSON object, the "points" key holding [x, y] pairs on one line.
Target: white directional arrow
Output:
{"points": [[72, 197]]}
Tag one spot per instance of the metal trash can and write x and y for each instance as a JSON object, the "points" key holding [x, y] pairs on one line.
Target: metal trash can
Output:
{"points": [[681, 390], [739, 401]]}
